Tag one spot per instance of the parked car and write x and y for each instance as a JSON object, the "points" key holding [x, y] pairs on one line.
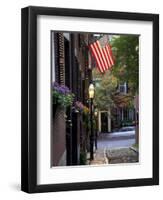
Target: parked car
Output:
{"points": [[127, 128]]}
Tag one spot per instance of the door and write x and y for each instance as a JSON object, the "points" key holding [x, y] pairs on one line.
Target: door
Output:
{"points": [[104, 122]]}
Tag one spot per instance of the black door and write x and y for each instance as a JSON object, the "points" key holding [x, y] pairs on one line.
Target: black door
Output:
{"points": [[68, 110], [104, 122]]}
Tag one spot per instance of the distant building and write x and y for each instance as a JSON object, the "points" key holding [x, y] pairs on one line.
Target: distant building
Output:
{"points": [[118, 116], [123, 114]]}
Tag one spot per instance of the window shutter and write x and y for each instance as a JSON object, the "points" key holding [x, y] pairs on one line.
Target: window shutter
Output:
{"points": [[59, 58]]}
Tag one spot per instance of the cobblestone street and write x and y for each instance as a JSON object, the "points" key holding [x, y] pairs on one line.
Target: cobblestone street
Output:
{"points": [[115, 148], [122, 155], [114, 156]]}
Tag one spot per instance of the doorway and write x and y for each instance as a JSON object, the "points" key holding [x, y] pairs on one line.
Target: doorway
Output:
{"points": [[104, 122]]}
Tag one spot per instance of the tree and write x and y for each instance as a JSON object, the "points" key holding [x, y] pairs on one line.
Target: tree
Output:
{"points": [[105, 88], [126, 51], [126, 69]]}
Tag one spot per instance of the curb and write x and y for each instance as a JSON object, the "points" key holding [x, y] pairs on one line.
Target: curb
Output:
{"points": [[134, 149]]}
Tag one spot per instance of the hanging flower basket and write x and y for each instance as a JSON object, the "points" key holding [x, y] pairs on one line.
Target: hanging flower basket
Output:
{"points": [[78, 106], [61, 96]]}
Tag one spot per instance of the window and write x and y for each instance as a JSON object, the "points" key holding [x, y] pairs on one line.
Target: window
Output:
{"points": [[123, 88]]}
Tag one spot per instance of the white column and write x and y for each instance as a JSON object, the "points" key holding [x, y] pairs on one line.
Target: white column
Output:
{"points": [[122, 115], [109, 120]]}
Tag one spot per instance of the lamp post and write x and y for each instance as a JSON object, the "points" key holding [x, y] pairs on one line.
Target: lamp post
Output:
{"points": [[91, 91], [96, 114]]}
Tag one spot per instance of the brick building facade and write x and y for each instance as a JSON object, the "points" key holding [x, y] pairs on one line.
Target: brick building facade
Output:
{"points": [[70, 67]]}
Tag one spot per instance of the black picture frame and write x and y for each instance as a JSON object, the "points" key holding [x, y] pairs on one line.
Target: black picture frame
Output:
{"points": [[29, 99]]}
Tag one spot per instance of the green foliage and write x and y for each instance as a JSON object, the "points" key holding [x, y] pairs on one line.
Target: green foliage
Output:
{"points": [[126, 69], [127, 123], [104, 90], [126, 51], [64, 100], [86, 118], [83, 158], [136, 146]]}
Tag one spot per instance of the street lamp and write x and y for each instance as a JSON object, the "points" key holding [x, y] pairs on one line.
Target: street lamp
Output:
{"points": [[96, 128], [96, 113], [91, 91]]}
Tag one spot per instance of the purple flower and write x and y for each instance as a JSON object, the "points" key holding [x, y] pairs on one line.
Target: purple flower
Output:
{"points": [[61, 88], [65, 89], [79, 105], [55, 85]]}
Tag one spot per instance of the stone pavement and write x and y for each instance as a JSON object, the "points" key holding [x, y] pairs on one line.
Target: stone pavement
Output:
{"points": [[114, 156], [99, 157], [122, 155]]}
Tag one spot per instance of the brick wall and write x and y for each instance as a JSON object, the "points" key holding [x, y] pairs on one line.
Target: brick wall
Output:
{"points": [[58, 138]]}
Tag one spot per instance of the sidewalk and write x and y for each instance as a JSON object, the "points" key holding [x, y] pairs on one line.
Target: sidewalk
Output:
{"points": [[99, 157], [114, 156]]}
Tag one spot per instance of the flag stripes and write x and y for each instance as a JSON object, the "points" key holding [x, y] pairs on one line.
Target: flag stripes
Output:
{"points": [[107, 58], [92, 48], [103, 56], [110, 53]]}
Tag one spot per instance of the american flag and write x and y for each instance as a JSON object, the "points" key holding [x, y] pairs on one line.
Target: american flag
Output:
{"points": [[102, 53]]}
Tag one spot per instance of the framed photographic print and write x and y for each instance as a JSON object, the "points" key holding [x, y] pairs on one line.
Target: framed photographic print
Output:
{"points": [[90, 99]]}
